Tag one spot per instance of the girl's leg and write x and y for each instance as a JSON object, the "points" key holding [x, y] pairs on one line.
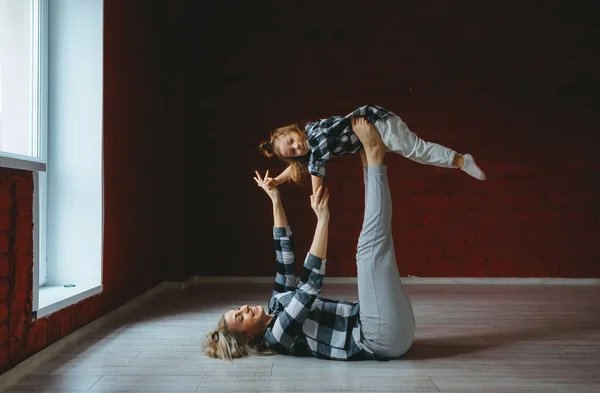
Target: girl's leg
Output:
{"points": [[386, 314], [400, 139]]}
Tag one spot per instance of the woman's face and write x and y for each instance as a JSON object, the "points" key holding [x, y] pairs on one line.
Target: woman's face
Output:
{"points": [[292, 145], [249, 320]]}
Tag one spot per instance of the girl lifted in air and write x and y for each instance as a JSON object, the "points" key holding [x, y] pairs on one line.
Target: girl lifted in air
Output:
{"points": [[309, 149]]}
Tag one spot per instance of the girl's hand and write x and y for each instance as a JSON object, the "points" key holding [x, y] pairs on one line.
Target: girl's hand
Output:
{"points": [[273, 191], [271, 182], [319, 202]]}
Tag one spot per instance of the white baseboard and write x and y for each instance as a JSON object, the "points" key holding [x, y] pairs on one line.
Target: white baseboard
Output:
{"points": [[408, 280], [21, 370], [181, 284]]}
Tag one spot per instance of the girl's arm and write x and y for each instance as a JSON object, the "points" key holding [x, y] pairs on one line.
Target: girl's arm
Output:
{"points": [[282, 178], [317, 182]]}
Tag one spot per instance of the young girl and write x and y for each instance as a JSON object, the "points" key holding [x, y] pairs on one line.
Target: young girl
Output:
{"points": [[309, 150]]}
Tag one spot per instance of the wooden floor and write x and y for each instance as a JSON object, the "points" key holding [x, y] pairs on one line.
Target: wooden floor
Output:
{"points": [[470, 338]]}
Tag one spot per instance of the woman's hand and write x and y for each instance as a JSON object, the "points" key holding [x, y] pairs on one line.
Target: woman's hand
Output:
{"points": [[266, 184], [319, 202]]}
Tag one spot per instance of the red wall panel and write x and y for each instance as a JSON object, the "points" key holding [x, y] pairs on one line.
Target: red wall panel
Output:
{"points": [[512, 86]]}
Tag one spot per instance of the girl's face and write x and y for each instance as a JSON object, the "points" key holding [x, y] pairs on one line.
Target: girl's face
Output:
{"points": [[292, 144]]}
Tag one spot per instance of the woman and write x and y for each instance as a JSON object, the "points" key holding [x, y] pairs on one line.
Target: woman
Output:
{"points": [[299, 322]]}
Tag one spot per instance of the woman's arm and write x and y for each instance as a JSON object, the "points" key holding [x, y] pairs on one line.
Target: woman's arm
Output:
{"points": [[285, 275], [319, 202], [279, 217], [289, 322]]}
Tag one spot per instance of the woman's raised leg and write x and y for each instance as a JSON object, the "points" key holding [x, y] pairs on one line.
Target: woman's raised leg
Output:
{"points": [[386, 313]]}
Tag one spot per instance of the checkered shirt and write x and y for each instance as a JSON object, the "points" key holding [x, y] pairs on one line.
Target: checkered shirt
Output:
{"points": [[333, 137], [305, 324]]}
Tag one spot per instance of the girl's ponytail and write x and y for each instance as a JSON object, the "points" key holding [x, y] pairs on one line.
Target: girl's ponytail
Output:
{"points": [[266, 148]]}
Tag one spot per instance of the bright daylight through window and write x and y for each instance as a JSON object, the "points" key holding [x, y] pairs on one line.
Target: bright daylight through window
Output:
{"points": [[51, 114], [19, 78]]}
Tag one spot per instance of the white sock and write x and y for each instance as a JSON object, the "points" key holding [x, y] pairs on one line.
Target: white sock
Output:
{"points": [[471, 167]]}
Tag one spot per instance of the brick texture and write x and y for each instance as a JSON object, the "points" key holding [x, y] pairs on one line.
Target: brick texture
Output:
{"points": [[464, 75]]}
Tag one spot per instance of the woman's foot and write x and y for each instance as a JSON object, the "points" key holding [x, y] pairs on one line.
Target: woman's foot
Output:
{"points": [[363, 158], [467, 164], [371, 140]]}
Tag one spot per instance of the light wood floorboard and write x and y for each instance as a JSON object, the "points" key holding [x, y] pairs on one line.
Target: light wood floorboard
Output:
{"points": [[470, 338]]}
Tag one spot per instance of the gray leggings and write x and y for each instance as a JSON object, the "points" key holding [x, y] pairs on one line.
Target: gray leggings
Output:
{"points": [[386, 314]]}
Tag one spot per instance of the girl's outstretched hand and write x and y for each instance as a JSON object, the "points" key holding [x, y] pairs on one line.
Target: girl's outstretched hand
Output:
{"points": [[319, 202], [272, 191], [270, 182]]}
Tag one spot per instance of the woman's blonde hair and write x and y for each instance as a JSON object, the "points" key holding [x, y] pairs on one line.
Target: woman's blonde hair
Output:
{"points": [[298, 164], [224, 344]]}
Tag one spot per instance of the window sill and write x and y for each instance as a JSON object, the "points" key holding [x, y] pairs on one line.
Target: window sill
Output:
{"points": [[55, 297], [13, 161]]}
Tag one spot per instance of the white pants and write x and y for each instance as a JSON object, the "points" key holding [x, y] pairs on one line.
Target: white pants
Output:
{"points": [[398, 138]]}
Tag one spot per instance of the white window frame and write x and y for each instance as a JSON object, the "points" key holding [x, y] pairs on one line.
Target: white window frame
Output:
{"points": [[63, 136]]}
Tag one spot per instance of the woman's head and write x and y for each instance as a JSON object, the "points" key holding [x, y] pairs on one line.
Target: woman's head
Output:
{"points": [[290, 145], [239, 333], [250, 321]]}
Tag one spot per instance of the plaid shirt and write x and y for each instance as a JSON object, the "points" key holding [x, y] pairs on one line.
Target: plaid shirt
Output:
{"points": [[304, 323], [333, 137]]}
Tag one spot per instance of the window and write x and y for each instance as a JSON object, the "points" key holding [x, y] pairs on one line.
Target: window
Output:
{"points": [[19, 78], [51, 68], [21, 117]]}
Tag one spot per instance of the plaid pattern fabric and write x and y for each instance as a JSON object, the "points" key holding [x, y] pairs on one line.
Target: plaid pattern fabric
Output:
{"points": [[304, 323], [333, 137]]}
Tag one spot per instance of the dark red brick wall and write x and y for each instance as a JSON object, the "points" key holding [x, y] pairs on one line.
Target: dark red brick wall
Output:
{"points": [[511, 83], [143, 243], [515, 86], [16, 257]]}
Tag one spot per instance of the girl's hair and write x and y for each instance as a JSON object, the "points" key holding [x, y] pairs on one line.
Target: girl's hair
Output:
{"points": [[298, 164], [224, 344]]}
